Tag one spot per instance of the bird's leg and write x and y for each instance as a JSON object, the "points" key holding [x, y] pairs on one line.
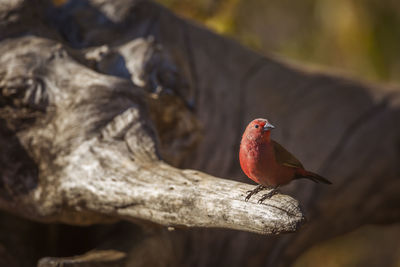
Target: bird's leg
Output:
{"points": [[254, 191], [274, 190]]}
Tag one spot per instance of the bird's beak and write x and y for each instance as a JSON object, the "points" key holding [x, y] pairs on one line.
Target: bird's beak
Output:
{"points": [[268, 126]]}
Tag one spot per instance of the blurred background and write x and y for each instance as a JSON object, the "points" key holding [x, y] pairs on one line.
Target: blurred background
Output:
{"points": [[358, 38], [351, 37]]}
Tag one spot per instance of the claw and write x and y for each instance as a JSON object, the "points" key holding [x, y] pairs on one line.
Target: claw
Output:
{"points": [[248, 196], [254, 191], [271, 193]]}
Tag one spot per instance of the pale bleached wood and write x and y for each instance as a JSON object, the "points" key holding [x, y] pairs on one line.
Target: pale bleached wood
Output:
{"points": [[106, 165]]}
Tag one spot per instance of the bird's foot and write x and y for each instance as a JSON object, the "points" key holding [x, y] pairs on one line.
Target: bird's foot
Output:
{"points": [[271, 193], [254, 191]]}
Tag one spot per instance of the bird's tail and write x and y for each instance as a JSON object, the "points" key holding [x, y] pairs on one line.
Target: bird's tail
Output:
{"points": [[313, 177]]}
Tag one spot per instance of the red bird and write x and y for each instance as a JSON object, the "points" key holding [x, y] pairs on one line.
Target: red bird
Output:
{"points": [[267, 163]]}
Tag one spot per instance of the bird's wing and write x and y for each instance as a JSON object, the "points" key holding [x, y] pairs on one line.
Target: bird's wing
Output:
{"points": [[284, 157]]}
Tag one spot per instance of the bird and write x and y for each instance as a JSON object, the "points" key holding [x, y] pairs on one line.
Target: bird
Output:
{"points": [[268, 163]]}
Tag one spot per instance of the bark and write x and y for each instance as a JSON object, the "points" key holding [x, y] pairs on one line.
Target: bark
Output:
{"points": [[95, 93]]}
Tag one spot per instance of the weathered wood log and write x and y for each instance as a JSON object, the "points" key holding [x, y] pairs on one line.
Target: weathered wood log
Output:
{"points": [[210, 88], [96, 155]]}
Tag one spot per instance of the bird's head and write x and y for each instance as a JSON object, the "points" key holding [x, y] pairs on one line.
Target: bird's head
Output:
{"points": [[259, 127]]}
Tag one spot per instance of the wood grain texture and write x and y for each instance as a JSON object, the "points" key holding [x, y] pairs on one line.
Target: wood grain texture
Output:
{"points": [[96, 153]]}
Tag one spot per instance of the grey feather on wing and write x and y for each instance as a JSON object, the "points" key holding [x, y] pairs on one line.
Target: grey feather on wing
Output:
{"points": [[284, 157]]}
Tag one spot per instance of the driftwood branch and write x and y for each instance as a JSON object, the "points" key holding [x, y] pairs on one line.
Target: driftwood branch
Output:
{"points": [[105, 150], [156, 192], [93, 259]]}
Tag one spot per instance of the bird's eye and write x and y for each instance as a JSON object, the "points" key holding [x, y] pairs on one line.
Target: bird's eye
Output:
{"points": [[256, 126]]}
